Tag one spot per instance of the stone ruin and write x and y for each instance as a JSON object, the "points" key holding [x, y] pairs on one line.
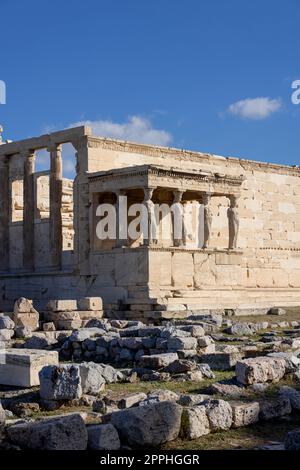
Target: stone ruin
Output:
{"points": [[81, 316], [246, 258], [64, 358]]}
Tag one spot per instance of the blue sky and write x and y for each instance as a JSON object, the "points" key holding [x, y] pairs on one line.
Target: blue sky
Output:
{"points": [[163, 71]]}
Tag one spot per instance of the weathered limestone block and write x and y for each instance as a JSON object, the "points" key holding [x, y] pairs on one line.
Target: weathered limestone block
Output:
{"points": [[90, 314], [244, 414], [27, 320], [157, 361], [90, 303], [92, 380], [64, 432], [175, 343], [132, 400], [260, 370], [275, 408], [195, 330], [103, 437], [205, 341], [181, 366], [6, 335], [62, 305], [219, 414], [23, 305], [292, 362], [6, 323], [25, 316], [62, 382], [194, 422], [69, 324], [21, 367], [67, 315], [220, 361], [192, 399], [241, 329], [149, 425], [158, 396]]}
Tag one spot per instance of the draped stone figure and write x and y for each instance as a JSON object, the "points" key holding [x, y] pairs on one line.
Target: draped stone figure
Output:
{"points": [[207, 219], [233, 222]]}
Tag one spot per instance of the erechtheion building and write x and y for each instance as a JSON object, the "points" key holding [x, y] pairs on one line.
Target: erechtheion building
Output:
{"points": [[249, 256]]}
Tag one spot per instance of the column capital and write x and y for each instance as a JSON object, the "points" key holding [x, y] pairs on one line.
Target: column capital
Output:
{"points": [[177, 193], [233, 199], [54, 147], [148, 193], [206, 197], [27, 153]]}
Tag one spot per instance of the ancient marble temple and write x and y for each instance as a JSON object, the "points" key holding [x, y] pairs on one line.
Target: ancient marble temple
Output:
{"points": [[248, 254]]}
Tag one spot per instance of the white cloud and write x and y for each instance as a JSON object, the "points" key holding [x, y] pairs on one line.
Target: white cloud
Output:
{"points": [[136, 129], [255, 108]]}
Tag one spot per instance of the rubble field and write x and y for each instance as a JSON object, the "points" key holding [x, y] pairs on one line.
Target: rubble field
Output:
{"points": [[211, 381]]}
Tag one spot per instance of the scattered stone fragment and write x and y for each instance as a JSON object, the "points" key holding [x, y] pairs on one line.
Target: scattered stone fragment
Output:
{"points": [[61, 382], [103, 437], [219, 414], [240, 329], [178, 343], [158, 361], [181, 366], [90, 303], [244, 414], [158, 396], [92, 380], [276, 311], [259, 370], [192, 399], [275, 408], [221, 361], [194, 422], [132, 400], [292, 362], [25, 314], [6, 323], [64, 432], [24, 410], [228, 390], [149, 425]]}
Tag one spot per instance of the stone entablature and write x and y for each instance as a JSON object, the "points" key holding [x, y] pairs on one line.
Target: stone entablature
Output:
{"points": [[160, 185]]}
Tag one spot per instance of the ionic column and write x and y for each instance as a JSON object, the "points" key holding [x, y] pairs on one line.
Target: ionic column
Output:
{"points": [[207, 219], [233, 222], [148, 193], [28, 210], [177, 217], [4, 213], [55, 205]]}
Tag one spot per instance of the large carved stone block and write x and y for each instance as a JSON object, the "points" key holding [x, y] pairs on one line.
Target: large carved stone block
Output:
{"points": [[21, 367]]}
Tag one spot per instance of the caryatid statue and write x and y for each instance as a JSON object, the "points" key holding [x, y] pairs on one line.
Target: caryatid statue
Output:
{"points": [[233, 222], [207, 219]]}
